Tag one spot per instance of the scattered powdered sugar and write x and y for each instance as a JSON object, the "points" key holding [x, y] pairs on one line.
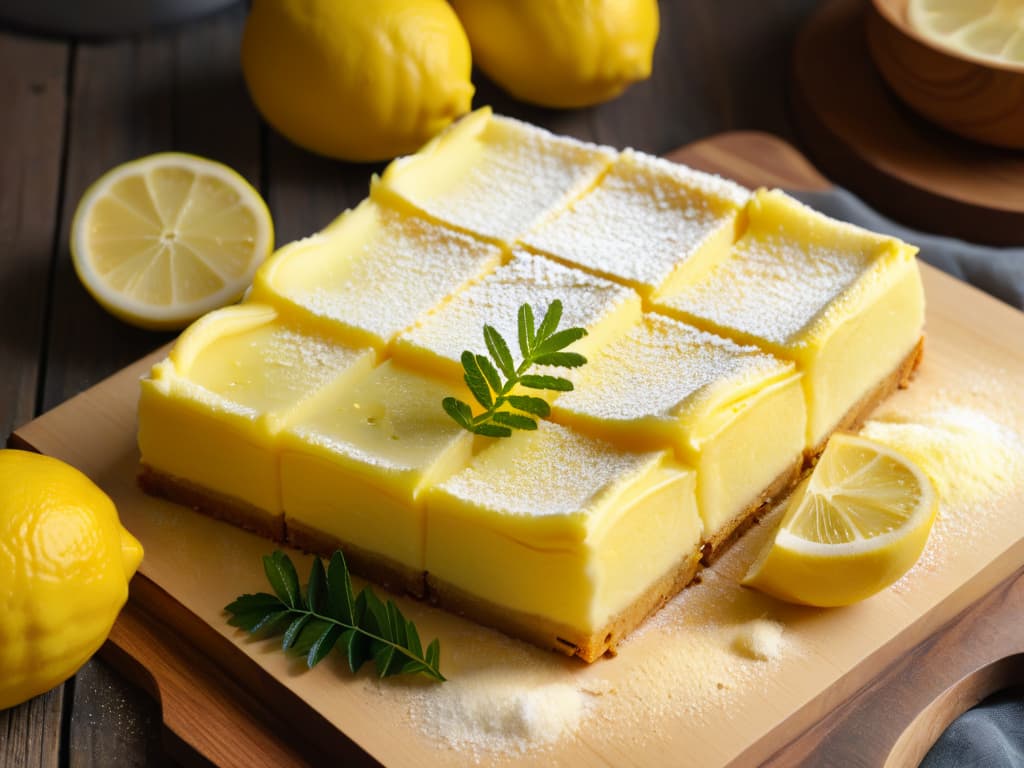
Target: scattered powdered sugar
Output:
{"points": [[384, 281], [661, 366], [642, 220], [586, 301], [760, 639], [521, 173], [507, 710], [970, 445]]}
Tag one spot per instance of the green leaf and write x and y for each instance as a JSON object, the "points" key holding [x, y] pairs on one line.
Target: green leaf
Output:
{"points": [[527, 333], [315, 595], [514, 420], [561, 359], [459, 411], [292, 633], [530, 404], [340, 600], [491, 430], [363, 626], [558, 341], [498, 350], [552, 318], [282, 577], [323, 645], [490, 373], [475, 380], [556, 383]]}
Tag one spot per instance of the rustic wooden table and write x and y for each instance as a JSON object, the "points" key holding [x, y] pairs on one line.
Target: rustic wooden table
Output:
{"points": [[70, 110]]}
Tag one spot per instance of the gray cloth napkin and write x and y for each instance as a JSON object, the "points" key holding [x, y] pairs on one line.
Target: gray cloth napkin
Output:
{"points": [[992, 734], [998, 271]]}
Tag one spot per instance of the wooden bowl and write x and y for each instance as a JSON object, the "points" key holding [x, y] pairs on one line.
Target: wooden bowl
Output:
{"points": [[967, 95]]}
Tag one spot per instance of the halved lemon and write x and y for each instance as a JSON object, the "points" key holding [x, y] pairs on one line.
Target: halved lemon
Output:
{"points": [[992, 30], [164, 239], [852, 528]]}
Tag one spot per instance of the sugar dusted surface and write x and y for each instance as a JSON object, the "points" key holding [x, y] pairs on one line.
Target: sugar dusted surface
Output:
{"points": [[525, 172], [659, 368], [496, 299], [643, 218], [271, 368], [552, 471], [409, 266], [772, 287]]}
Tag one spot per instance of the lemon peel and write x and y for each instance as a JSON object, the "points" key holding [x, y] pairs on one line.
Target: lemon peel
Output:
{"points": [[851, 529], [562, 53], [355, 80], [65, 563]]}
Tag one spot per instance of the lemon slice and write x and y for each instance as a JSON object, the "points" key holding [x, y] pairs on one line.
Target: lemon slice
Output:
{"points": [[852, 528], [992, 30], [164, 239]]}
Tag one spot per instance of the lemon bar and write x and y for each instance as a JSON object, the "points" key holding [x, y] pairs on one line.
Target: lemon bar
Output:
{"points": [[604, 308], [355, 464], [847, 305], [562, 539], [210, 413], [493, 176], [647, 223], [734, 413], [372, 273]]}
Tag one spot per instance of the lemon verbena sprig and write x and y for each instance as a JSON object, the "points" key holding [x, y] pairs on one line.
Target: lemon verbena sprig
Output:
{"points": [[329, 615], [503, 410]]}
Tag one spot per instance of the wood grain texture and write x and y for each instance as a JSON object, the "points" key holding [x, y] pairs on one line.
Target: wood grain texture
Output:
{"points": [[864, 138], [973, 98], [845, 725], [32, 94]]}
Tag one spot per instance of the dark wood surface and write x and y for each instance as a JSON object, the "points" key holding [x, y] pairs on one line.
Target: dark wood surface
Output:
{"points": [[71, 110]]}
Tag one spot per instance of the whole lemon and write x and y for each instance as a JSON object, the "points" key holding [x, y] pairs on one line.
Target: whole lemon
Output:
{"points": [[65, 562], [357, 80], [562, 53]]}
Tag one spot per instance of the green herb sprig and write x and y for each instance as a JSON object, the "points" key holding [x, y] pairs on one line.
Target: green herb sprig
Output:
{"points": [[542, 345], [331, 615]]}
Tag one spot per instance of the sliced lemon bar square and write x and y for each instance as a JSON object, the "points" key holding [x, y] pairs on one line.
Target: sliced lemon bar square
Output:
{"points": [[734, 413], [493, 176], [847, 305], [210, 413], [354, 465], [646, 222], [562, 539], [605, 309], [372, 273]]}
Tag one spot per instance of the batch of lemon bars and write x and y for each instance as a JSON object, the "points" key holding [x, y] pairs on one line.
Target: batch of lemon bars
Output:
{"points": [[728, 334]]}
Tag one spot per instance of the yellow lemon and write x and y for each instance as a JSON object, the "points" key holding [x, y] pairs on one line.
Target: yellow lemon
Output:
{"points": [[357, 80], [162, 240], [562, 53], [990, 30], [857, 524], [65, 562]]}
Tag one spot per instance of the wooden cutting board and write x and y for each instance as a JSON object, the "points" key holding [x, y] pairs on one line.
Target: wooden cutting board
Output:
{"points": [[239, 702]]}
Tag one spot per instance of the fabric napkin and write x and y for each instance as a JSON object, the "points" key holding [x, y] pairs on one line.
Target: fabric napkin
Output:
{"points": [[992, 734]]}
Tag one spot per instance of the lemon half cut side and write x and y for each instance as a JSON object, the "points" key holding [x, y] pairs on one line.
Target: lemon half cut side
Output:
{"points": [[990, 30], [161, 240], [851, 529]]}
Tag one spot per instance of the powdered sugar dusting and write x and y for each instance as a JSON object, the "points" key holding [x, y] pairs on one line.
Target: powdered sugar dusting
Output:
{"points": [[661, 367], [523, 172], [495, 300], [552, 471], [644, 218], [404, 268], [771, 287]]}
